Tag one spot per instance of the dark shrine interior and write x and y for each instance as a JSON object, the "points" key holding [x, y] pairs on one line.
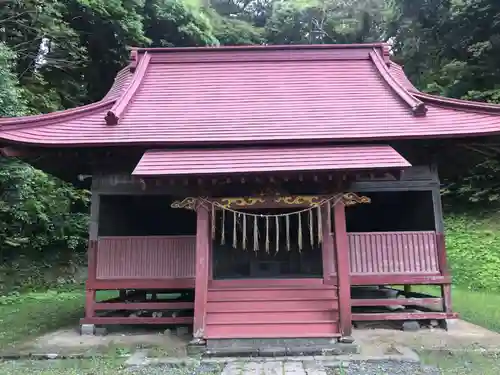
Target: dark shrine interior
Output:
{"points": [[143, 215], [277, 255], [392, 211]]}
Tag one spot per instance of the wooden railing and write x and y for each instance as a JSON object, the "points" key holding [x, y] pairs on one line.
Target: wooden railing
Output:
{"points": [[171, 257], [393, 253], [147, 257]]}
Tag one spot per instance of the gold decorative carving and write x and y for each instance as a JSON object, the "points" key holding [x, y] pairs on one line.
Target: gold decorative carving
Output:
{"points": [[311, 201], [350, 199], [187, 203], [240, 202]]}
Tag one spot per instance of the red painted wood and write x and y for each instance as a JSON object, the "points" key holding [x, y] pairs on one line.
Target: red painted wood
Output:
{"points": [[271, 294], [141, 284], [267, 317], [146, 257], [327, 247], [342, 256], [174, 162], [260, 283], [266, 95], [446, 293], [399, 279], [108, 320], [245, 310], [403, 316], [202, 260], [379, 253], [89, 303], [92, 259], [286, 330], [395, 301], [90, 291], [271, 306], [441, 251], [144, 306]]}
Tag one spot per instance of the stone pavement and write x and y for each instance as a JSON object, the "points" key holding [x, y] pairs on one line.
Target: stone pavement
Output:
{"points": [[274, 368]]}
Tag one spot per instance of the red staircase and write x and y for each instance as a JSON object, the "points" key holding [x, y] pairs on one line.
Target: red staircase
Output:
{"points": [[272, 311]]}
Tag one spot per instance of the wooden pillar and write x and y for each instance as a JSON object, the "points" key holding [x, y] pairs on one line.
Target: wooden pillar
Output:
{"points": [[327, 248], [91, 277], [202, 267], [443, 269], [343, 274], [441, 248]]}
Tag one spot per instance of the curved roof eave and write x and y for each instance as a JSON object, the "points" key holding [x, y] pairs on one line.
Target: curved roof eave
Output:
{"points": [[120, 84]]}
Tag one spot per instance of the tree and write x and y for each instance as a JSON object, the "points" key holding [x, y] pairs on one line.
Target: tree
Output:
{"points": [[40, 217], [331, 21], [11, 98]]}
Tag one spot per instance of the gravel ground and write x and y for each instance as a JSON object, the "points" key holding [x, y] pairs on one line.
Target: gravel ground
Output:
{"points": [[357, 368], [385, 368], [203, 369]]}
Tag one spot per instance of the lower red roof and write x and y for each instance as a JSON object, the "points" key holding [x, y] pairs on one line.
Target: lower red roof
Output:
{"points": [[223, 161]]}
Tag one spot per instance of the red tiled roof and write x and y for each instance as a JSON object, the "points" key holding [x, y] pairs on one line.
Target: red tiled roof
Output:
{"points": [[276, 159], [258, 94]]}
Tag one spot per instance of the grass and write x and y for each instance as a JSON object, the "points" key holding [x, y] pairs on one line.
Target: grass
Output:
{"points": [[481, 308], [92, 366], [27, 316], [30, 315], [478, 307], [466, 363], [37, 313]]}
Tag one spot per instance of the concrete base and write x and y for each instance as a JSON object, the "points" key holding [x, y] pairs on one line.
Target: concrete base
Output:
{"points": [[411, 326], [92, 330], [87, 329], [278, 347], [449, 324]]}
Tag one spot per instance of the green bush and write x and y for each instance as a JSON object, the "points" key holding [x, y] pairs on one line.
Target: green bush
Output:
{"points": [[473, 248]]}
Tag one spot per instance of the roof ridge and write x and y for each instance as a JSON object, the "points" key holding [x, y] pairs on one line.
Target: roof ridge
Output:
{"points": [[459, 103], [255, 47], [417, 106], [121, 104]]}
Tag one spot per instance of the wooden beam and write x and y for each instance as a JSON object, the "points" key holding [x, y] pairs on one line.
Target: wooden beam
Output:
{"points": [[400, 279], [106, 320], [441, 250], [443, 268], [372, 302], [202, 270], [158, 284], [90, 293], [342, 257], [12, 152], [143, 306], [403, 316], [92, 260]]}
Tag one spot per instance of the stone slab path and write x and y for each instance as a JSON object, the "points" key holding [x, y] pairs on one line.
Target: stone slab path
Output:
{"points": [[316, 368], [273, 368]]}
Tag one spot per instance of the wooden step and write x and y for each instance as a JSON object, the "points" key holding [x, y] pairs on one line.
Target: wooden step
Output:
{"points": [[249, 317], [274, 305], [272, 330], [271, 294]]}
